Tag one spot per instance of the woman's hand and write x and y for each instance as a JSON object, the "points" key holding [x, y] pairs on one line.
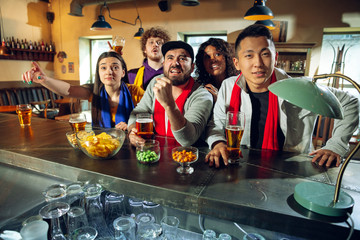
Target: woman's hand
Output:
{"points": [[213, 90], [122, 126], [35, 74]]}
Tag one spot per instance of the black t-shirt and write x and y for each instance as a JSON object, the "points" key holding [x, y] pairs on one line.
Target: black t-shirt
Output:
{"points": [[260, 103]]}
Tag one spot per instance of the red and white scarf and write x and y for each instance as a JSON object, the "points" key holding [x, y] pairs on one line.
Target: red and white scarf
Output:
{"points": [[159, 111], [270, 140]]}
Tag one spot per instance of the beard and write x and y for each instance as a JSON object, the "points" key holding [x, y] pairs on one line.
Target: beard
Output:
{"points": [[180, 80]]}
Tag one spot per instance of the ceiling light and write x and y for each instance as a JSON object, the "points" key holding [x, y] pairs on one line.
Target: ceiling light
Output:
{"points": [[190, 3], [259, 11], [268, 23]]}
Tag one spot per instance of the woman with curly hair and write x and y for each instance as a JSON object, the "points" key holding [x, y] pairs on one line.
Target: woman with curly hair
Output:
{"points": [[214, 63]]}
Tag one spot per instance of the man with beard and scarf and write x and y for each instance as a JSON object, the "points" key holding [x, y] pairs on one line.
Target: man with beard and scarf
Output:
{"points": [[180, 107], [151, 42], [271, 122]]}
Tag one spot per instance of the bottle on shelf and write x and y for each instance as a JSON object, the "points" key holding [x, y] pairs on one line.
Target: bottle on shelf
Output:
{"points": [[42, 45], [26, 45], [31, 47], [13, 43]]}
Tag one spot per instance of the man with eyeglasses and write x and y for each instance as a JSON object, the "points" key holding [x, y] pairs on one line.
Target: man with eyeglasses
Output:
{"points": [[151, 42]]}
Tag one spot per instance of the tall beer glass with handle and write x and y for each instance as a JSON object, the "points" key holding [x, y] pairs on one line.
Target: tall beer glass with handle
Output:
{"points": [[234, 129]]}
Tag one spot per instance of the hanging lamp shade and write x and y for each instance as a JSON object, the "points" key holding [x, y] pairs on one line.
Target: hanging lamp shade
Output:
{"points": [[100, 24], [259, 12], [190, 3], [267, 23], [139, 33]]}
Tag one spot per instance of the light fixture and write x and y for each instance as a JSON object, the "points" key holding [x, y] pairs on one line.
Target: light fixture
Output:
{"points": [[259, 11], [139, 33], [61, 54], [305, 93], [190, 3], [101, 24], [4, 50], [267, 23]]}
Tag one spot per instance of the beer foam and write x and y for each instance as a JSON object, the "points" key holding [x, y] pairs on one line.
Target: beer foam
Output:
{"points": [[146, 120]]}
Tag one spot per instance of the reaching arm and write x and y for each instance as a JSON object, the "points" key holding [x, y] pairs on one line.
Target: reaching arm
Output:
{"points": [[36, 74]]}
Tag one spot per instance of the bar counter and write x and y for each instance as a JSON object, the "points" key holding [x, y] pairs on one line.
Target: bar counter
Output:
{"points": [[258, 192]]}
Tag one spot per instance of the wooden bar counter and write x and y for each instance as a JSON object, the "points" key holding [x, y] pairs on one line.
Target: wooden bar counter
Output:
{"points": [[258, 192]]}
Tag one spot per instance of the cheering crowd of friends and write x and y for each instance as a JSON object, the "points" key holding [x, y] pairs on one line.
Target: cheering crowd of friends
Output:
{"points": [[193, 109]]}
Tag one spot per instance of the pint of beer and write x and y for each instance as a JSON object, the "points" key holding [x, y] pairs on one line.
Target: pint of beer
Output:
{"points": [[144, 125], [77, 121], [24, 113], [234, 129], [118, 43]]}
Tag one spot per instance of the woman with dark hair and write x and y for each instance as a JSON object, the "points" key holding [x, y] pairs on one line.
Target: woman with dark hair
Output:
{"points": [[214, 63], [112, 99]]}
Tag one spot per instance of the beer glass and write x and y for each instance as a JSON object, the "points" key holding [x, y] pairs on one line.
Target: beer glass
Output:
{"points": [[125, 228], [118, 43], [24, 113], [144, 125], [77, 121], [170, 226], [234, 129]]}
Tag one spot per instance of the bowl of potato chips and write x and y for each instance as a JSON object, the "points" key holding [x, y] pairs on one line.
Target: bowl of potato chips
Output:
{"points": [[100, 143]]}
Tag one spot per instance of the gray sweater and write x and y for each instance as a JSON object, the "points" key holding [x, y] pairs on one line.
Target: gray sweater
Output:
{"points": [[197, 110], [296, 123]]}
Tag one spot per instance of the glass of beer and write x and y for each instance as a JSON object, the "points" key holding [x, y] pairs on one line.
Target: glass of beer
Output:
{"points": [[234, 128], [24, 112], [118, 43], [144, 125], [77, 121]]}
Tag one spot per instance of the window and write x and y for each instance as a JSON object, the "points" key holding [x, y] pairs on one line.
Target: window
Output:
{"points": [[195, 40], [90, 50]]}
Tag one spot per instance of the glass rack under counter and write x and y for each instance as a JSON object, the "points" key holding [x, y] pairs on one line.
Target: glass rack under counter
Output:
{"points": [[257, 194]]}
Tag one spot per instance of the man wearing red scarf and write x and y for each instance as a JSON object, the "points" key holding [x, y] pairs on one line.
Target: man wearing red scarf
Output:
{"points": [[180, 107], [270, 122]]}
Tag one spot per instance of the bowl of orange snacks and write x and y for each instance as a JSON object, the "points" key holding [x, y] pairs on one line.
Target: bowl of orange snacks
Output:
{"points": [[101, 143], [185, 156]]}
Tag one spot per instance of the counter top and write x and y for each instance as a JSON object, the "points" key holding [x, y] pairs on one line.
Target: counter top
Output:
{"points": [[257, 192]]}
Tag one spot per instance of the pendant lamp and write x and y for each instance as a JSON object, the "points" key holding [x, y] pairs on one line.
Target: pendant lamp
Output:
{"points": [[259, 11], [267, 23]]}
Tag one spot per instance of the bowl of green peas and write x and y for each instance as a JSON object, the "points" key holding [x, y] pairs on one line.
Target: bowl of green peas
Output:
{"points": [[148, 152]]}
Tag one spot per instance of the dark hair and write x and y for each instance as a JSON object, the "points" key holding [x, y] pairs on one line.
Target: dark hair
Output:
{"points": [[225, 49], [255, 30], [95, 103], [153, 32]]}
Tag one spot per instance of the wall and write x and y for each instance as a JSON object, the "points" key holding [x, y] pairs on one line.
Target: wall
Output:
{"points": [[305, 24]]}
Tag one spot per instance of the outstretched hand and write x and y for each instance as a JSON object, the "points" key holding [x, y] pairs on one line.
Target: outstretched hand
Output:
{"points": [[35, 74], [325, 156]]}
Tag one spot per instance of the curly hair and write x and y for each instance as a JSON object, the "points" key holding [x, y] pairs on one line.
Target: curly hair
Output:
{"points": [[225, 49], [153, 32]]}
